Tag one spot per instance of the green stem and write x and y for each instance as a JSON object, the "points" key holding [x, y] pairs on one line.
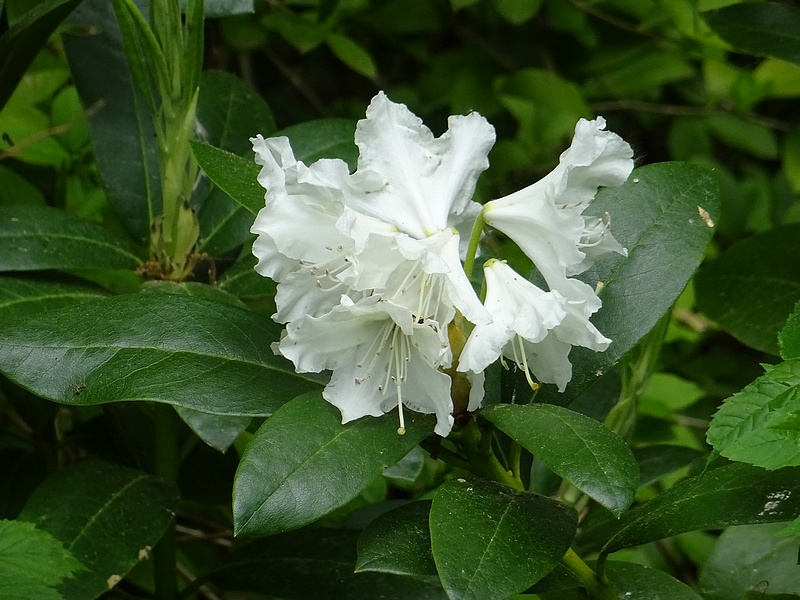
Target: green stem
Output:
{"points": [[476, 443], [166, 467], [597, 587], [474, 239]]}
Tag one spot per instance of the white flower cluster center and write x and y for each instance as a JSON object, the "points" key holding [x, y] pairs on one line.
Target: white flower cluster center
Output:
{"points": [[369, 264]]}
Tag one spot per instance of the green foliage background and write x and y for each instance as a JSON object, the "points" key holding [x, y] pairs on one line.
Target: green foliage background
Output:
{"points": [[102, 345]]}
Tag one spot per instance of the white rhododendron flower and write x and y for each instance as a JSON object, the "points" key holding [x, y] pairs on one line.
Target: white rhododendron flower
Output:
{"points": [[370, 273]]}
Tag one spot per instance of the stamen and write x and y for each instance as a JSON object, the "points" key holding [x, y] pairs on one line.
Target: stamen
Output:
{"points": [[402, 429], [531, 382]]}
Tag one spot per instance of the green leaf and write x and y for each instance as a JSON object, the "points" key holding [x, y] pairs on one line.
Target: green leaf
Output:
{"points": [[323, 138], [230, 113], [121, 118], [218, 431], [236, 176], [41, 237], [789, 337], [23, 40], [352, 54], [490, 541], [759, 425], [15, 189], [517, 12], [20, 298], [753, 138], [313, 564], [763, 29], [166, 348], [735, 494], [664, 215], [32, 563], [224, 8], [662, 459], [752, 287], [108, 516], [398, 542], [578, 448], [751, 557], [243, 281], [638, 582], [291, 472]]}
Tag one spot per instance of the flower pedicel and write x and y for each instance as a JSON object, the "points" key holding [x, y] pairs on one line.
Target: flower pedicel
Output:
{"points": [[370, 272]]}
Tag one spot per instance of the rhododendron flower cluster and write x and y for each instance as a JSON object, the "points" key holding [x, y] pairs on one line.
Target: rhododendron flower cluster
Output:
{"points": [[370, 264]]}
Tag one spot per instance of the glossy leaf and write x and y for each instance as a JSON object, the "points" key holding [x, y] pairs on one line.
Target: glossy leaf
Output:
{"points": [[20, 298], [291, 472], [735, 494], [662, 459], [593, 458], [236, 176], [664, 214], [316, 563], [398, 542], [20, 43], [490, 541], [120, 116], [638, 582], [759, 425], [323, 138], [789, 338], [32, 563], [243, 281], [751, 557], [106, 515], [218, 431], [763, 29], [167, 348], [752, 287], [40, 237], [230, 113]]}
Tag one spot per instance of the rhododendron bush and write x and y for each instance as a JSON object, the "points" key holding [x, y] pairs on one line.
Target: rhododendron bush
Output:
{"points": [[407, 300]]}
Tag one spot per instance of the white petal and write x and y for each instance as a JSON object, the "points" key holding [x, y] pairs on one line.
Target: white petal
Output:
{"points": [[518, 308], [548, 360], [595, 158], [476, 390], [547, 235], [416, 181]]}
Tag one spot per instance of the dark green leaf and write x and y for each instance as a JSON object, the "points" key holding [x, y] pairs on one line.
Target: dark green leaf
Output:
{"points": [[192, 289], [664, 214], [108, 516], [243, 281], [230, 112], [40, 237], [751, 558], [314, 564], [236, 176], [352, 54], [291, 472], [218, 431], [323, 138], [490, 541], [759, 425], [398, 542], [225, 8], [763, 29], [735, 494], [23, 40], [167, 348], [20, 298], [752, 287], [593, 458], [789, 337], [662, 459], [638, 582], [32, 563], [121, 118]]}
